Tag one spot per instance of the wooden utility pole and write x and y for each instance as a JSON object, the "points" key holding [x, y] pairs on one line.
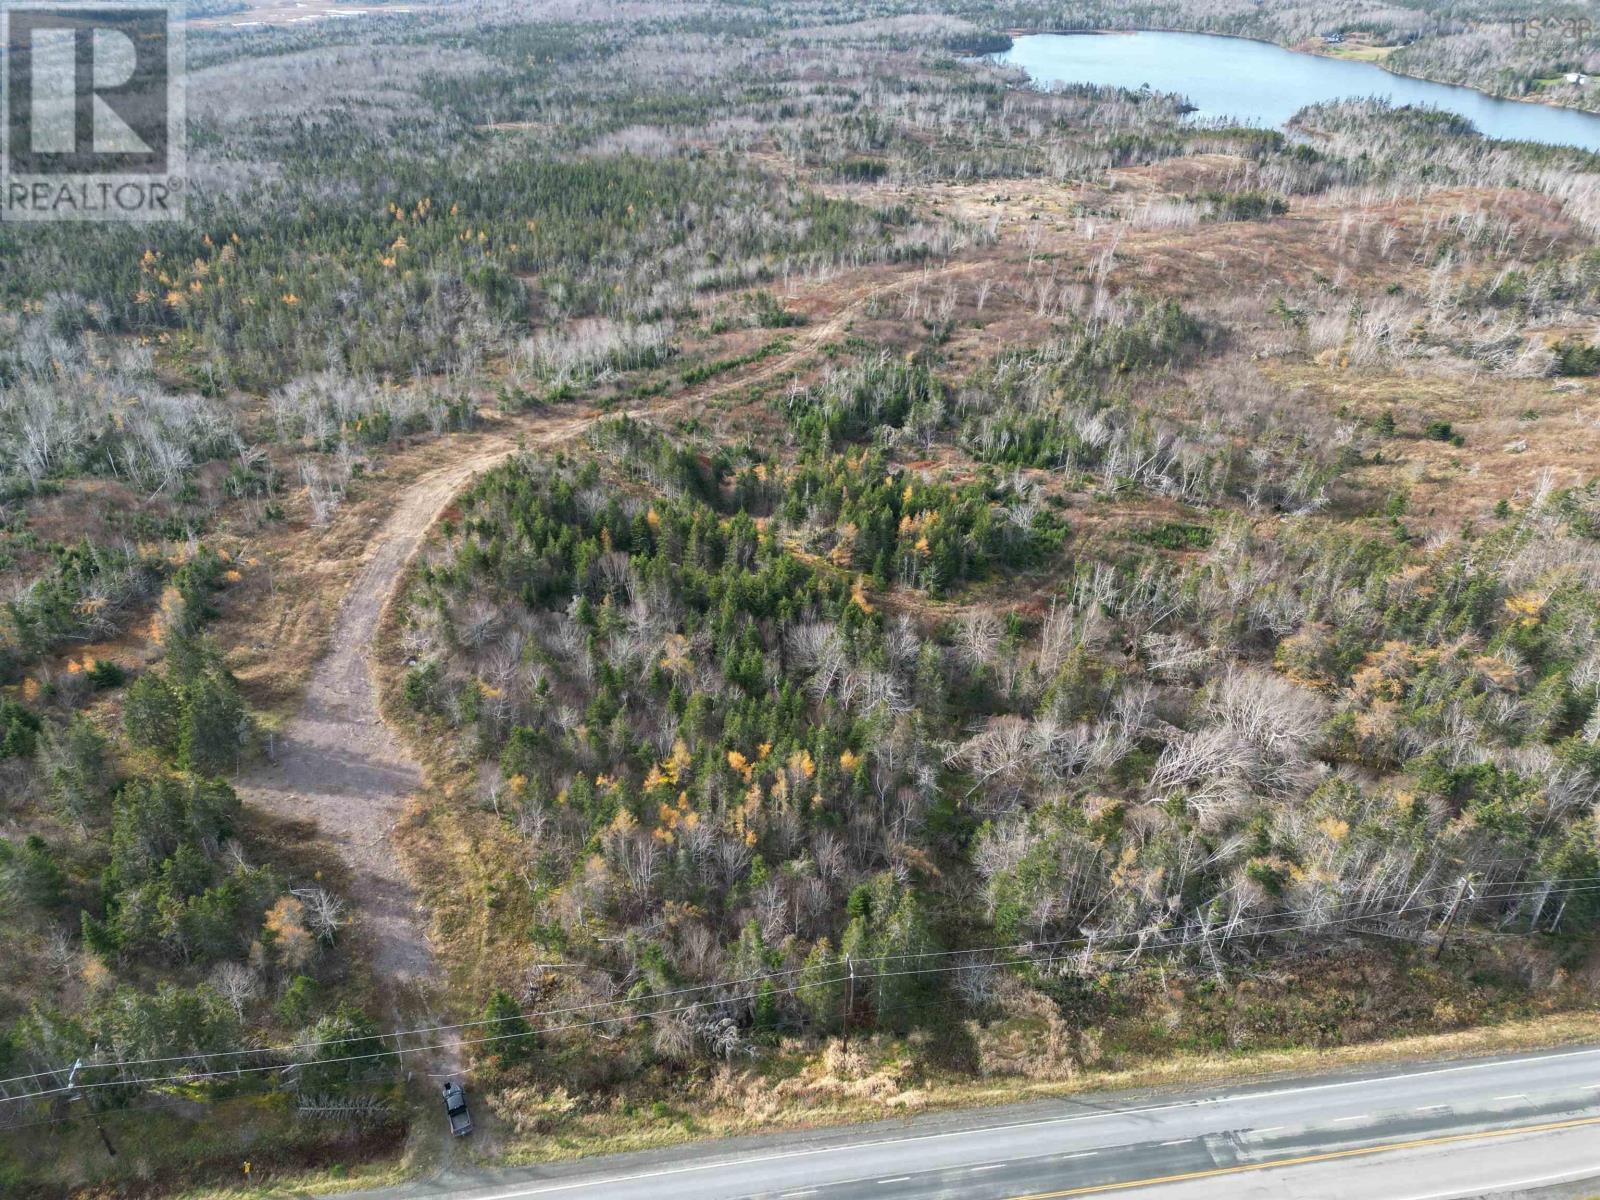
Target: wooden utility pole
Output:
{"points": [[850, 1001], [1449, 917], [77, 1095]]}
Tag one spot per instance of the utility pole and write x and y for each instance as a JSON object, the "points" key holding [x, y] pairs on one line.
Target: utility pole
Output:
{"points": [[1449, 917], [77, 1095], [850, 1001], [1555, 925]]}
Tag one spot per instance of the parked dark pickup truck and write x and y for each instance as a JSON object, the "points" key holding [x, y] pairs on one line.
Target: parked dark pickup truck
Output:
{"points": [[455, 1106]]}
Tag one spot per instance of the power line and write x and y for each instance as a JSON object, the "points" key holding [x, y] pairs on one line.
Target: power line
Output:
{"points": [[1158, 945], [622, 1018], [434, 1030], [227, 1072], [1086, 942], [765, 976]]}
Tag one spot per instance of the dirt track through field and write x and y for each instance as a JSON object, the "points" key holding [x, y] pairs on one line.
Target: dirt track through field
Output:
{"points": [[337, 764]]}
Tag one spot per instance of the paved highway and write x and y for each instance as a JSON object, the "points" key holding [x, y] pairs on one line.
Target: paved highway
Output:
{"points": [[1427, 1132]]}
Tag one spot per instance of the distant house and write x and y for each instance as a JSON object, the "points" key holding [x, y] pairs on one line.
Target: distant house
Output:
{"points": [[1333, 39], [1577, 77]]}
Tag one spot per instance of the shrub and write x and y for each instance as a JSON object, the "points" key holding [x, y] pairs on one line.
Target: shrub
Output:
{"points": [[1245, 206], [1442, 431], [771, 314], [863, 170], [105, 675], [1176, 535], [1576, 357]]}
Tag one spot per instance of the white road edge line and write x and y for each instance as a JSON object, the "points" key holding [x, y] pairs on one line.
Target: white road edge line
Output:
{"points": [[896, 1179], [611, 1181], [989, 1167]]}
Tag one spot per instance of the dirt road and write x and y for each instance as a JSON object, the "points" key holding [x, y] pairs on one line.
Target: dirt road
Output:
{"points": [[340, 766]]}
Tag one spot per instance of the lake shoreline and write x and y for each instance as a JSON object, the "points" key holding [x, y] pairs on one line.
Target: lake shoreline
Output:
{"points": [[1248, 37], [1254, 81]]}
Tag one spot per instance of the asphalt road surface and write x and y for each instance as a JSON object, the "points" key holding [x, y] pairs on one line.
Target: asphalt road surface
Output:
{"points": [[1426, 1132]]}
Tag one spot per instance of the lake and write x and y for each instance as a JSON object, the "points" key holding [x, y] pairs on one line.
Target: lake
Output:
{"points": [[1261, 84]]}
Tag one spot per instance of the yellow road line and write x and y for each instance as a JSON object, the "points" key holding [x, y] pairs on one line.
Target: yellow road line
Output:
{"points": [[1328, 1156]]}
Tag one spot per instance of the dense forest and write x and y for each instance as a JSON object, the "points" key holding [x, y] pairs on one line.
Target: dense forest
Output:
{"points": [[972, 581]]}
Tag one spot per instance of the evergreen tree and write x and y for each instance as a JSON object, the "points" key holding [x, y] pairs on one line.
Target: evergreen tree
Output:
{"points": [[514, 1041], [81, 772], [32, 873], [820, 990], [340, 1049], [19, 730], [213, 725], [152, 714]]}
